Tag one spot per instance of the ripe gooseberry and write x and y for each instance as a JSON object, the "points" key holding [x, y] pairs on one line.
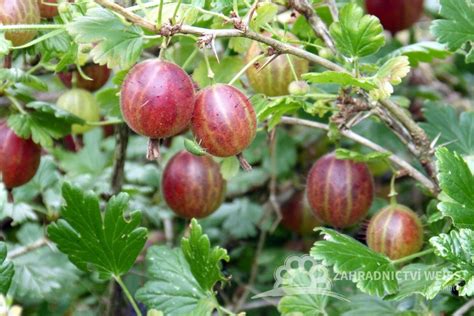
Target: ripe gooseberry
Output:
{"points": [[340, 192], [224, 122], [49, 11], [98, 73], [297, 215], [19, 158], [395, 231], [193, 185], [395, 15], [19, 12], [157, 100]]}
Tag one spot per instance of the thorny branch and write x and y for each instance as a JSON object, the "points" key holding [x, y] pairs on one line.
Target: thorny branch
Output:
{"points": [[408, 168], [415, 135], [319, 27]]}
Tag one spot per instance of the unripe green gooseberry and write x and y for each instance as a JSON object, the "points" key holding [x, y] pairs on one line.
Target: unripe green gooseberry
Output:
{"points": [[81, 103], [299, 87]]}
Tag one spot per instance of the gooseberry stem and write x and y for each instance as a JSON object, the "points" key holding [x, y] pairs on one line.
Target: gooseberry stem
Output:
{"points": [[128, 295], [292, 67], [243, 162], [244, 69], [413, 256]]}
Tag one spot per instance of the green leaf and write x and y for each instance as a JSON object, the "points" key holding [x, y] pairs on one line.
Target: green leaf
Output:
{"points": [[277, 108], [43, 273], [265, 13], [366, 305], [416, 278], [172, 288], [16, 75], [224, 71], [245, 181], [340, 78], [108, 101], [108, 244], [347, 255], [342, 153], [454, 131], [5, 45], [240, 44], [116, 44], [230, 167], [356, 34], [304, 304], [45, 123], [457, 247], [205, 263], [286, 155], [91, 159], [239, 219], [6, 270], [457, 184], [422, 52], [458, 26], [45, 183]]}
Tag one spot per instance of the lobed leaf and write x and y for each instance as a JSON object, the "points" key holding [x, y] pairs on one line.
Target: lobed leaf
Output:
{"points": [[347, 255], [108, 244], [205, 263], [356, 34], [458, 26], [117, 45], [457, 184]]}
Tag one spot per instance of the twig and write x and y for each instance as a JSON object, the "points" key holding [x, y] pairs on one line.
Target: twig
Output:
{"points": [[252, 10], [115, 300], [18, 252], [411, 171], [319, 27], [464, 308], [333, 8], [419, 137], [273, 179], [280, 47], [254, 270], [423, 144], [121, 138], [260, 304]]}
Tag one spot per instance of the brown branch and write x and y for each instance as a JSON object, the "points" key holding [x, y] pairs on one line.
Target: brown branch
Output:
{"points": [[121, 138], [411, 171], [417, 135], [333, 9], [280, 47], [305, 8], [254, 270], [18, 252], [464, 309]]}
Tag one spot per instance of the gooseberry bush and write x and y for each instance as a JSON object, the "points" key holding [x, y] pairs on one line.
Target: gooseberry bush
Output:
{"points": [[169, 157]]}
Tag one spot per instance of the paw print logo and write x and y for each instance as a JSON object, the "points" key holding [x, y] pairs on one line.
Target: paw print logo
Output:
{"points": [[302, 272]]}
